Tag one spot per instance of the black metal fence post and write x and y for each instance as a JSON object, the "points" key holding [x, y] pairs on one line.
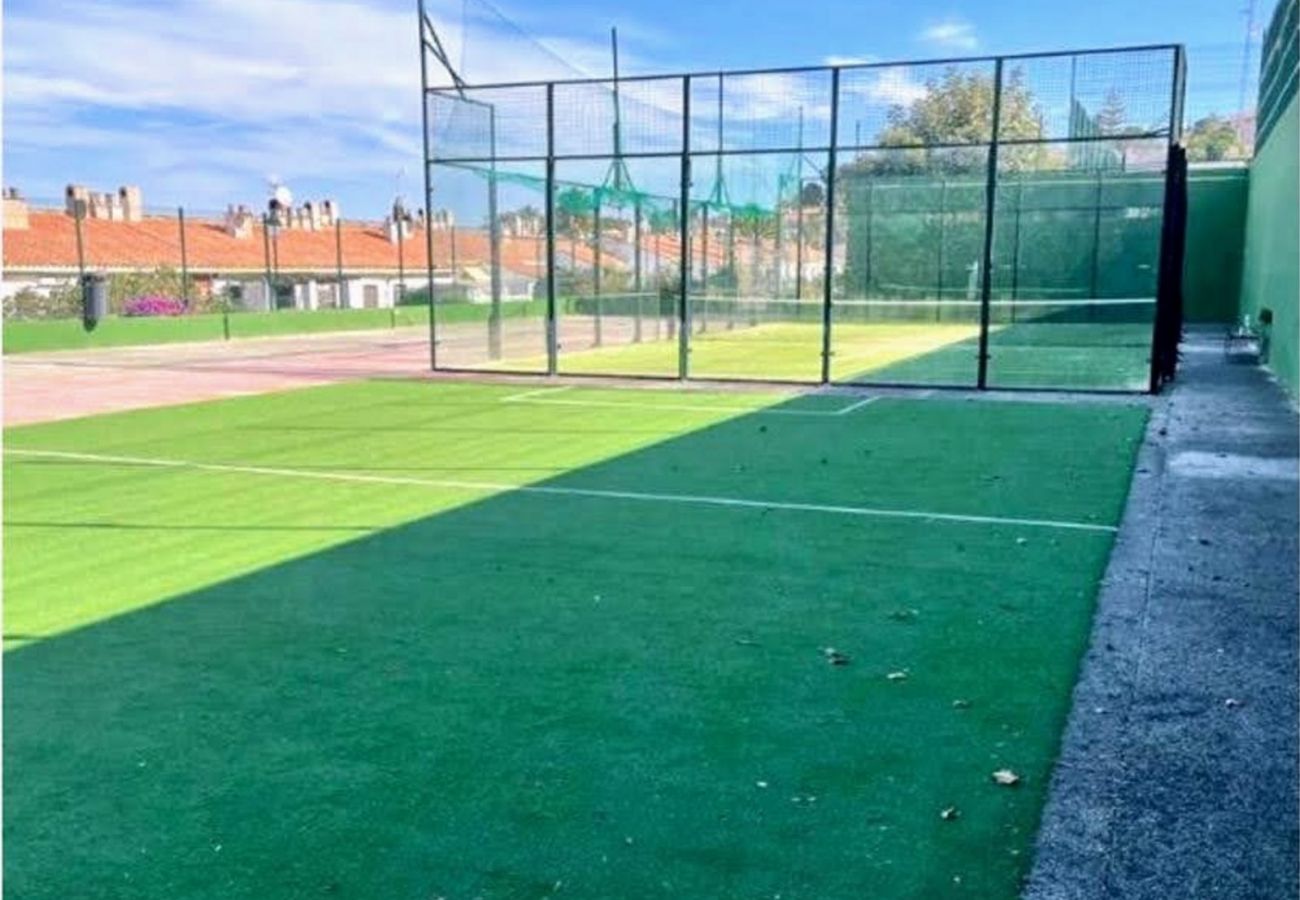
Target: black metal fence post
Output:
{"points": [[828, 276], [339, 301], [1167, 327], [185, 268], [1094, 279], [552, 342], [990, 207], [494, 244], [401, 274], [684, 233], [79, 213], [597, 226], [428, 197], [266, 255]]}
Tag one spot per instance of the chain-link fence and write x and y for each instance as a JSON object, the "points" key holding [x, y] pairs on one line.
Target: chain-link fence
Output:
{"points": [[991, 222]]}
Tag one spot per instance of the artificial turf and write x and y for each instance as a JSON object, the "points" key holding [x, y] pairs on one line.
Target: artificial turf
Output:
{"points": [[260, 684], [1083, 356]]}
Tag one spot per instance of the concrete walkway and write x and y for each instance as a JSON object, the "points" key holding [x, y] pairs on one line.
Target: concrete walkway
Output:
{"points": [[1178, 776]]}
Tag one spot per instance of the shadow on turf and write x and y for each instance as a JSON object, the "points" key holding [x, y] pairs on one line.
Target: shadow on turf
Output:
{"points": [[527, 691]]}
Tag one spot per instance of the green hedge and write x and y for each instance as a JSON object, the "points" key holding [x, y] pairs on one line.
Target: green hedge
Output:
{"points": [[68, 334]]}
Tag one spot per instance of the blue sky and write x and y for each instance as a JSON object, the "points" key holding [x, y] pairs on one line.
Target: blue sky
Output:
{"points": [[201, 101]]}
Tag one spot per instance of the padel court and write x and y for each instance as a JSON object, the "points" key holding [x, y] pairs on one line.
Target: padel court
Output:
{"points": [[429, 639]]}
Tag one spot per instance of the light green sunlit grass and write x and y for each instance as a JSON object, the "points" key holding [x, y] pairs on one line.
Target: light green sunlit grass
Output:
{"points": [[1023, 355], [264, 686]]}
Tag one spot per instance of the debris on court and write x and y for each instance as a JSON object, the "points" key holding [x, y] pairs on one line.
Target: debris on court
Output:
{"points": [[961, 704], [1233, 703], [950, 814], [835, 657], [1006, 778], [900, 675]]}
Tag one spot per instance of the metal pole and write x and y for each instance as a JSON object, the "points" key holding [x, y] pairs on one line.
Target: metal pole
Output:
{"points": [[990, 205], [1166, 325], [828, 277], [1096, 243], [428, 197], [494, 243], [552, 345], [401, 276], [597, 226], [185, 268], [732, 274], [266, 254], [636, 267], [871, 214], [338, 259], [684, 234], [798, 230], [78, 212], [943, 234], [1015, 247], [704, 266]]}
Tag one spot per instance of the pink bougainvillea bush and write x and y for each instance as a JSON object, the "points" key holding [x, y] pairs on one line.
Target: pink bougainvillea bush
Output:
{"points": [[153, 305]]}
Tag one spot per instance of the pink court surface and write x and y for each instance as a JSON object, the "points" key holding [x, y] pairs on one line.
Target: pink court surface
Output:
{"points": [[66, 384]]}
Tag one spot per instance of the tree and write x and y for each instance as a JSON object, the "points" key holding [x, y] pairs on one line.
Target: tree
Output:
{"points": [[1111, 116], [1214, 138], [957, 108]]}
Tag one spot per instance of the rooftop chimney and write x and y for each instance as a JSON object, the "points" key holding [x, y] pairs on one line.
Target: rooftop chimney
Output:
{"points": [[15, 210], [78, 200], [239, 222], [132, 202]]}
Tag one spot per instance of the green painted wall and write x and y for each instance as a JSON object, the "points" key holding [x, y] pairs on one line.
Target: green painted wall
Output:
{"points": [[1216, 219], [1271, 271]]}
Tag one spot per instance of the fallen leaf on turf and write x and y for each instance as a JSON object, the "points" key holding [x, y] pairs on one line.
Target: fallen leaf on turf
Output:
{"points": [[961, 704], [949, 813], [835, 657], [1006, 778], [897, 676]]}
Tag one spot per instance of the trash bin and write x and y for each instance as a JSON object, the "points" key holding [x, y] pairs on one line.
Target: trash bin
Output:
{"points": [[94, 299]]}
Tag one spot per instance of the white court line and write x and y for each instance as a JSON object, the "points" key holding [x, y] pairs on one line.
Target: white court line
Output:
{"points": [[852, 406], [516, 398], [685, 499], [675, 407]]}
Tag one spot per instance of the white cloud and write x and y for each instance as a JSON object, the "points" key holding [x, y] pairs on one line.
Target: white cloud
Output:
{"points": [[952, 34], [847, 60], [324, 89], [894, 87]]}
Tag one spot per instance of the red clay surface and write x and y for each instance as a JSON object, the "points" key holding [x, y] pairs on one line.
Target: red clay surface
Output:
{"points": [[67, 384]]}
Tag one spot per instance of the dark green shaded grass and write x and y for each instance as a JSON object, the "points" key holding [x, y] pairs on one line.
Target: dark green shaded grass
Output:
{"points": [[513, 695]]}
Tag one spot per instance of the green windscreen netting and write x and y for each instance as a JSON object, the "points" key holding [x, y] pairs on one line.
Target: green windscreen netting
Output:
{"points": [[810, 224]]}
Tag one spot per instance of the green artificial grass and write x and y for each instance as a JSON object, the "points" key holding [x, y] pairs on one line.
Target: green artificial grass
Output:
{"points": [[1082, 356], [237, 684]]}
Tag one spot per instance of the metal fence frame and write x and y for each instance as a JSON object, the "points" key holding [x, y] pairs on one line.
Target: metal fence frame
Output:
{"points": [[1167, 321]]}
